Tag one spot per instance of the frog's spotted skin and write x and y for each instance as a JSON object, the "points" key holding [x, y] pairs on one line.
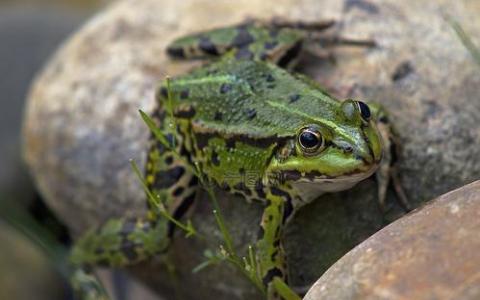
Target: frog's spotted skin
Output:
{"points": [[279, 43], [253, 129], [244, 41]]}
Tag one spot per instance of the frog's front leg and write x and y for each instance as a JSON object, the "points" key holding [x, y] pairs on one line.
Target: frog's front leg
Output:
{"points": [[270, 253], [387, 169]]}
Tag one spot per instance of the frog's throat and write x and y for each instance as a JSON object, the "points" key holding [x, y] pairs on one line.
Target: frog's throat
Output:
{"points": [[309, 188], [316, 178]]}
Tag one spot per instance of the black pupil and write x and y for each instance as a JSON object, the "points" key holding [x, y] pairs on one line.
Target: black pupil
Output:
{"points": [[364, 110], [308, 140]]}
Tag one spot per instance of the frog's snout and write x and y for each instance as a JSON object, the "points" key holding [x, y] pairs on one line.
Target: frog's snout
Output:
{"points": [[367, 153], [371, 147]]}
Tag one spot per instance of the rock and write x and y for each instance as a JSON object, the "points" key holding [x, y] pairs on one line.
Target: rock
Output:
{"points": [[86, 101], [430, 254], [37, 34]]}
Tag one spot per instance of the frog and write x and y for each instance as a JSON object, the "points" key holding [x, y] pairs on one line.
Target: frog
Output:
{"points": [[250, 125]]}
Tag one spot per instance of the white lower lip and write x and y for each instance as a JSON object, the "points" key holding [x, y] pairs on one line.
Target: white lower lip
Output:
{"points": [[311, 189], [346, 178]]}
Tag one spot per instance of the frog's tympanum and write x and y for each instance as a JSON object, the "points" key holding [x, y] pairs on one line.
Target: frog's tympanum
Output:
{"points": [[252, 128]]}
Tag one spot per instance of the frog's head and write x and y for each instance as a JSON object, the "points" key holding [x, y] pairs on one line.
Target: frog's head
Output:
{"points": [[329, 153]]}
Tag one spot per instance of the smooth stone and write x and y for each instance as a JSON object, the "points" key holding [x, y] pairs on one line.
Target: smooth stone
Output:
{"points": [[431, 253]]}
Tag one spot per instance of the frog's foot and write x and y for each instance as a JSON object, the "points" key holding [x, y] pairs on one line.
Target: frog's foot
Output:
{"points": [[321, 45], [336, 40], [397, 185], [388, 170], [389, 173], [321, 25], [86, 286], [120, 242], [317, 33]]}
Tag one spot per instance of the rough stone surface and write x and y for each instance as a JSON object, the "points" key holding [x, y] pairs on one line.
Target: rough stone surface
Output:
{"points": [[82, 126], [430, 254]]}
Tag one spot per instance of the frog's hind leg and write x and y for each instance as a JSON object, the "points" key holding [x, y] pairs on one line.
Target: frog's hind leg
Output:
{"points": [[276, 41], [210, 43], [118, 243], [124, 242]]}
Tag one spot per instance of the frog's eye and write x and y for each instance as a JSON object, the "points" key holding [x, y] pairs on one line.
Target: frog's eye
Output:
{"points": [[310, 140], [364, 111]]}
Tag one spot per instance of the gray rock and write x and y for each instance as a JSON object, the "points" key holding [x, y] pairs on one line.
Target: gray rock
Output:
{"points": [[86, 101], [29, 36]]}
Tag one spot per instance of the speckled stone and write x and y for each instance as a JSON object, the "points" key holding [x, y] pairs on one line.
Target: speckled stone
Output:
{"points": [[430, 254], [82, 126]]}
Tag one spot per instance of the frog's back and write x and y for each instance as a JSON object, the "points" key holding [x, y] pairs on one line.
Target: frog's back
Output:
{"points": [[250, 97]]}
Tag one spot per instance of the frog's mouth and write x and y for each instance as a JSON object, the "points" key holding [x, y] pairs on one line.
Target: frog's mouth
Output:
{"points": [[313, 184], [315, 177]]}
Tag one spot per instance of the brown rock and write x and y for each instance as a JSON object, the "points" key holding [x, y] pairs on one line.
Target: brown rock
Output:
{"points": [[430, 254], [82, 126]]}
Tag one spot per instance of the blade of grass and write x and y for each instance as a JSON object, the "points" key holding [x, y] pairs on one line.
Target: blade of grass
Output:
{"points": [[173, 123], [252, 260], [189, 230], [465, 39], [21, 221], [283, 290], [225, 233], [162, 139]]}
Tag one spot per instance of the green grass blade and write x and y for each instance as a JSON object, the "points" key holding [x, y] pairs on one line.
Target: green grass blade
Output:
{"points": [[173, 125], [151, 198], [24, 223], [189, 230], [283, 290], [225, 233], [465, 39], [162, 139], [154, 129]]}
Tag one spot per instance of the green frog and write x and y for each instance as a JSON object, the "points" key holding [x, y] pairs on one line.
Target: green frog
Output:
{"points": [[250, 126]]}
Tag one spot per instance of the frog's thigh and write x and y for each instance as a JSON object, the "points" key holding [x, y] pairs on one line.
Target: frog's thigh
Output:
{"points": [[170, 179], [121, 242]]}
